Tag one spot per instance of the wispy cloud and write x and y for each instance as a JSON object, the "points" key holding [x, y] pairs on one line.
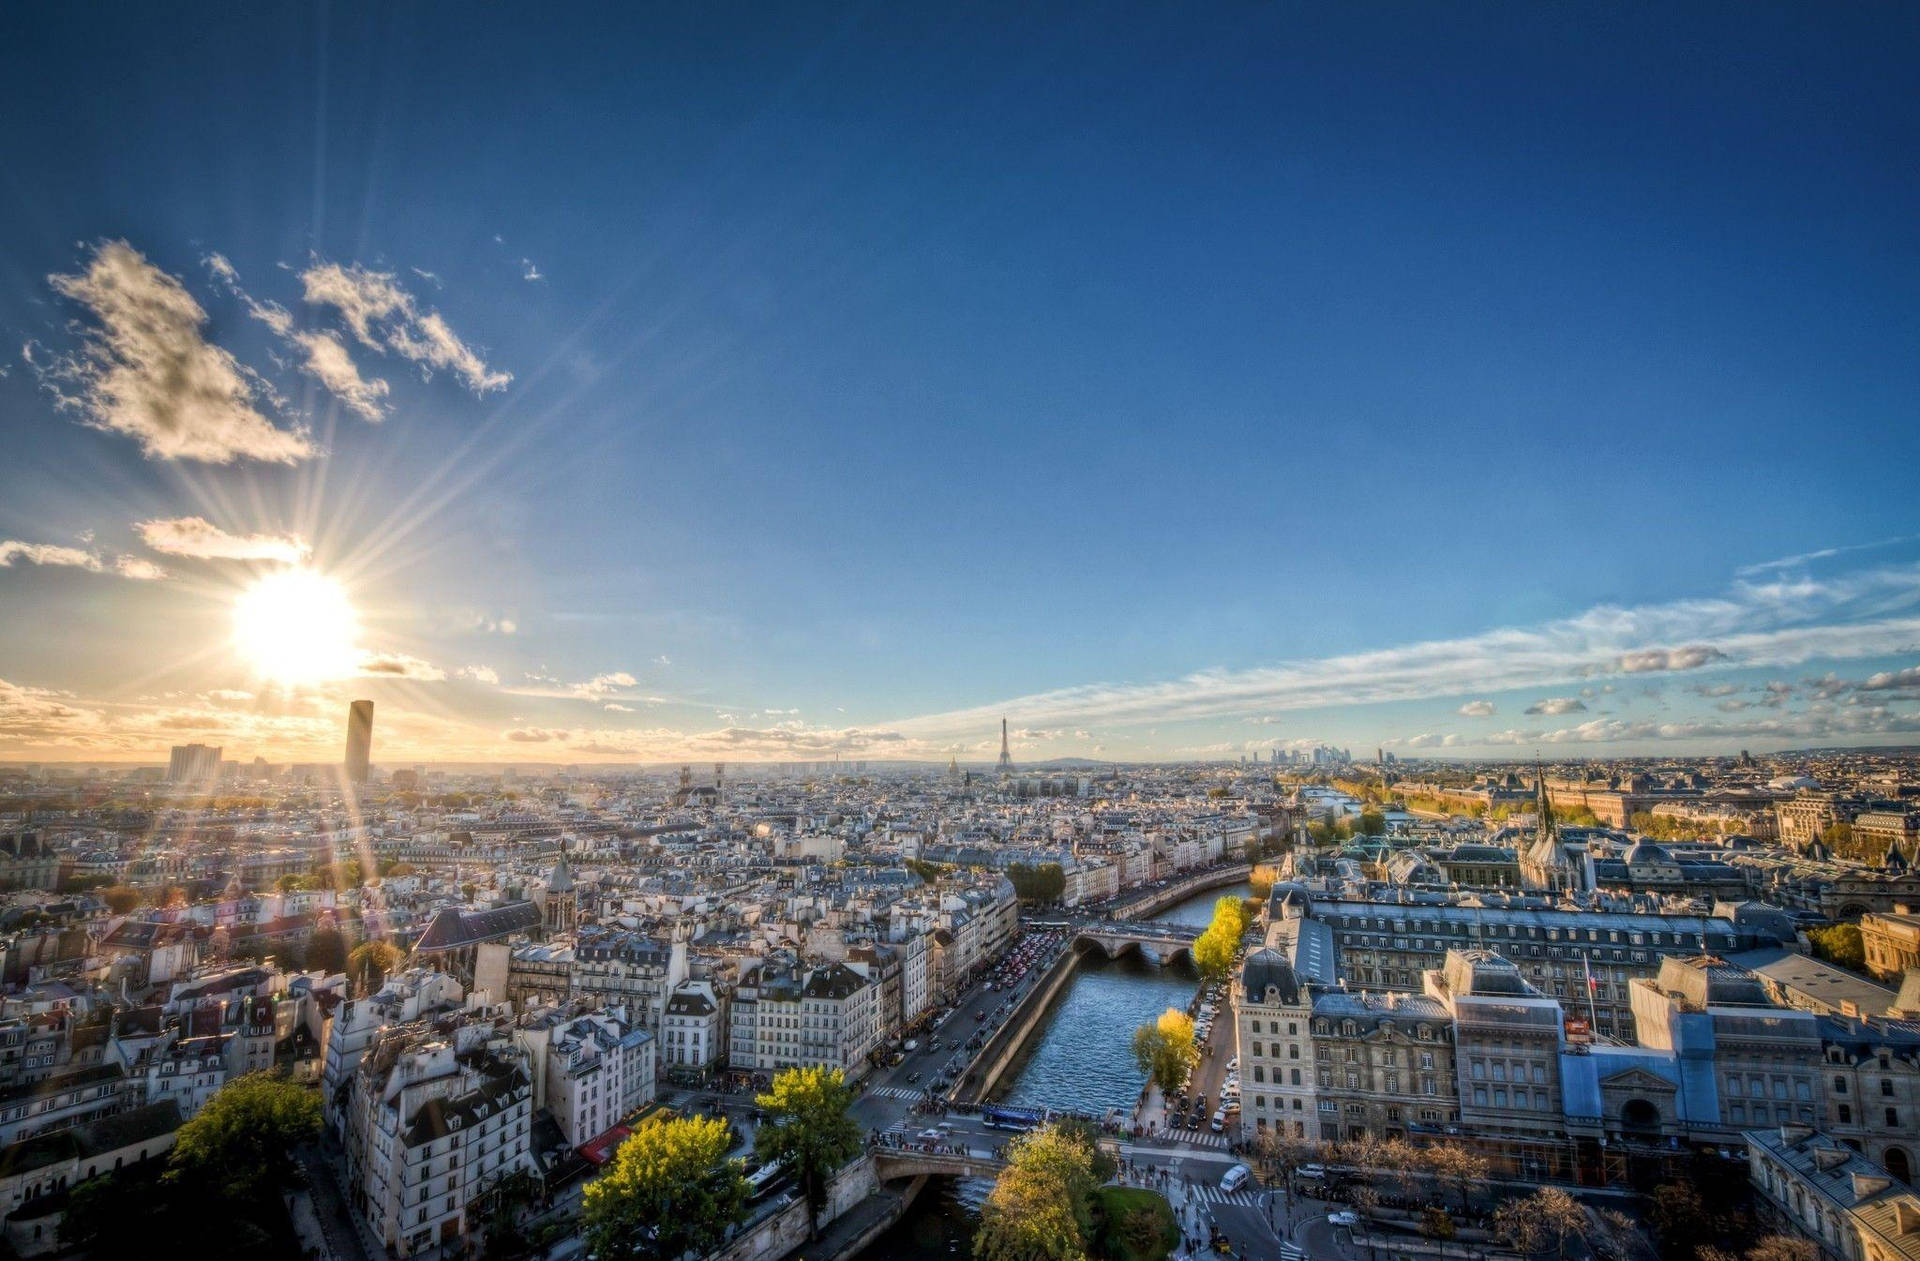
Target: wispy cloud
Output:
{"points": [[529, 272], [145, 370], [1777, 623], [1558, 705], [479, 674], [1476, 709], [384, 316], [322, 355], [202, 540], [55, 554]]}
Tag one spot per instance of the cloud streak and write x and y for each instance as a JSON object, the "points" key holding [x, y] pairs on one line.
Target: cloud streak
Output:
{"points": [[200, 539], [383, 316], [59, 556], [1783, 623]]}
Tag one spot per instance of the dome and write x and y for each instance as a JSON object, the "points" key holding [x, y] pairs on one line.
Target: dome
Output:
{"points": [[1647, 852], [1269, 977]]}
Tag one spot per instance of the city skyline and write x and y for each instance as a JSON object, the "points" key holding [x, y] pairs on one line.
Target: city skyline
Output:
{"points": [[779, 393]]}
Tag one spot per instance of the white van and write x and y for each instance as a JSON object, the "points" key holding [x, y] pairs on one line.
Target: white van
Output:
{"points": [[1235, 1178]]}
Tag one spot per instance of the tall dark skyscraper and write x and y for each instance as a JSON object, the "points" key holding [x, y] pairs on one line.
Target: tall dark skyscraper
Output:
{"points": [[359, 740]]}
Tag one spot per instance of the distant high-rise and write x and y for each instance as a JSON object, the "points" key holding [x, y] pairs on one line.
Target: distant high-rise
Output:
{"points": [[193, 764], [1006, 755], [359, 740]]}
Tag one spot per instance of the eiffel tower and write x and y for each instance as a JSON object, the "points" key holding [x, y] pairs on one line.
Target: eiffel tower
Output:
{"points": [[1006, 758]]}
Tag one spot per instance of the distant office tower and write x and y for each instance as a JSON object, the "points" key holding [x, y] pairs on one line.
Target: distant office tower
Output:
{"points": [[1006, 756], [359, 740], [193, 764]]}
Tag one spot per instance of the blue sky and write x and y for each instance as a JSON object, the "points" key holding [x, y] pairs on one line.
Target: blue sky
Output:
{"points": [[1144, 375]]}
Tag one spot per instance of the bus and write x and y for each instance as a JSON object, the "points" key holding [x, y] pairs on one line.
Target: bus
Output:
{"points": [[765, 1180], [1021, 1119]]}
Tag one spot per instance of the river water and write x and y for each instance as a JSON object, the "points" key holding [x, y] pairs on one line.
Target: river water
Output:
{"points": [[1080, 1059]]}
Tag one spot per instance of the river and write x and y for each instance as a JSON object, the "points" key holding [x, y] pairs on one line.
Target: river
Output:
{"points": [[1080, 1059]]}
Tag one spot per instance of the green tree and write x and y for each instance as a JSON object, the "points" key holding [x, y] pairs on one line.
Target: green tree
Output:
{"points": [[1040, 1208], [121, 899], [327, 951], [809, 1130], [1373, 823], [1840, 945], [669, 1190], [1164, 1049], [240, 1144], [1037, 882], [1213, 954], [371, 963], [1102, 1163]]}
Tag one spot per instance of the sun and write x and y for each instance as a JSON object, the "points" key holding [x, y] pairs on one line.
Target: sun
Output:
{"points": [[296, 626]]}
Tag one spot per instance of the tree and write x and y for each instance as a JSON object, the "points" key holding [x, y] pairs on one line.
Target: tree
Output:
{"points": [[370, 964], [1373, 823], [1560, 1215], [1164, 1050], [1040, 1208], [1514, 1222], [1037, 882], [669, 1190], [1213, 955], [1462, 1166], [1677, 1216], [1436, 1223], [1840, 945], [1102, 1163], [1783, 1248], [240, 1143], [809, 1131], [121, 899], [327, 951]]}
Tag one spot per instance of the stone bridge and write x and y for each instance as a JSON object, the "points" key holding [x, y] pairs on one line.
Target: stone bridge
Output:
{"points": [[903, 1162], [1162, 943]]}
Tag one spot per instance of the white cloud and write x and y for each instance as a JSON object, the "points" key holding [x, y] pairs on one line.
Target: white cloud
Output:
{"points": [[1691, 657], [47, 554], [1558, 705], [1477, 709], [384, 316], [323, 356], [201, 539], [144, 369], [615, 707], [479, 674], [603, 684], [529, 272], [138, 569], [134, 567], [536, 735]]}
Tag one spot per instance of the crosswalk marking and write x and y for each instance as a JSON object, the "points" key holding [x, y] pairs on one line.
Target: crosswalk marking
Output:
{"points": [[1214, 1195], [898, 1092]]}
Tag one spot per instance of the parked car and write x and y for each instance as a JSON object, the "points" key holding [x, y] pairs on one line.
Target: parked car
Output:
{"points": [[1345, 1217]]}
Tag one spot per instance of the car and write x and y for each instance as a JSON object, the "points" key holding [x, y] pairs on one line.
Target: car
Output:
{"points": [[1314, 1172], [1235, 1178], [1233, 1065], [930, 1134], [913, 1077], [1219, 1121], [1193, 1121], [1345, 1217]]}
